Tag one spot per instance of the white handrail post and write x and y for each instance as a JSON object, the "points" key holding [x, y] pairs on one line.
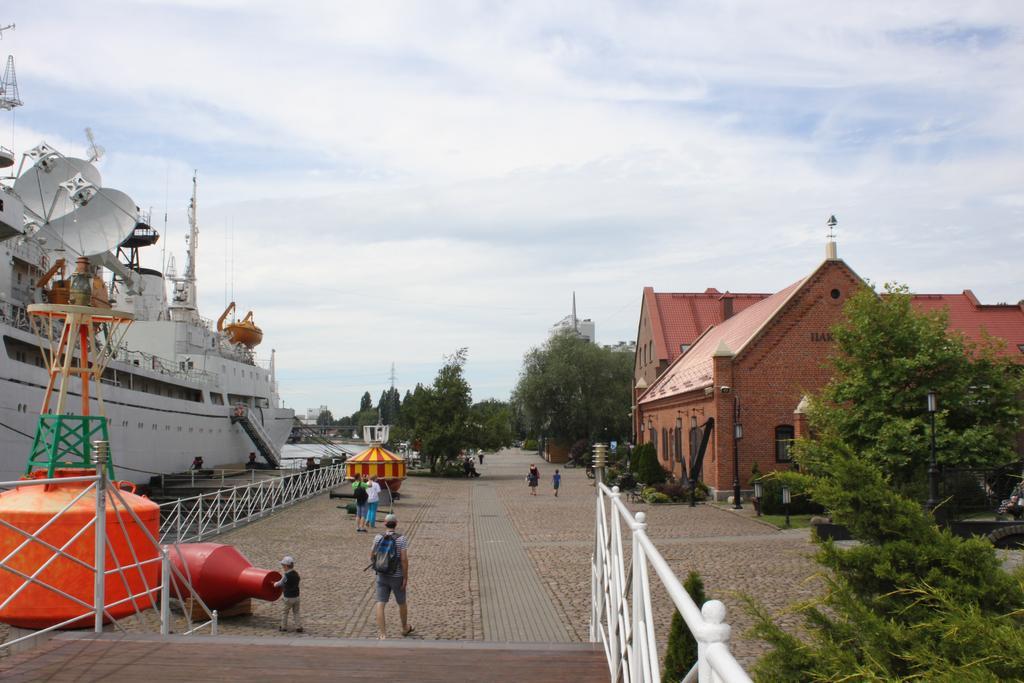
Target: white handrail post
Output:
{"points": [[100, 533], [199, 516], [637, 656], [177, 521], [165, 594], [714, 630], [213, 623]]}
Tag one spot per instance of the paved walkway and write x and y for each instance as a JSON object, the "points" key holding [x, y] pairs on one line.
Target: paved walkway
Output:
{"points": [[513, 602], [489, 562], [81, 658]]}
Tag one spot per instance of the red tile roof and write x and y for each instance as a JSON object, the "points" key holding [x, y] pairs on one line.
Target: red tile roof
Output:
{"points": [[678, 318], [693, 370], [974, 319]]}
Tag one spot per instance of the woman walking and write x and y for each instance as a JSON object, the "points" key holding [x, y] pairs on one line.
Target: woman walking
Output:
{"points": [[372, 498], [533, 478]]}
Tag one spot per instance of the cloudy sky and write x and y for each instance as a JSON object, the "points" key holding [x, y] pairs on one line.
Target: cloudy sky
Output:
{"points": [[403, 179]]}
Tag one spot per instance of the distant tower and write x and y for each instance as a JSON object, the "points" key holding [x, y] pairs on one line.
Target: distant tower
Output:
{"points": [[392, 375], [575, 320], [830, 243]]}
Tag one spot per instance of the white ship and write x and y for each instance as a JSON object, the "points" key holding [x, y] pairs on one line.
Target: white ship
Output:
{"points": [[178, 386]]}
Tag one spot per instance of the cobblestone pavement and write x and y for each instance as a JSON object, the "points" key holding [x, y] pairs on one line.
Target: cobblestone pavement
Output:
{"points": [[734, 553]]}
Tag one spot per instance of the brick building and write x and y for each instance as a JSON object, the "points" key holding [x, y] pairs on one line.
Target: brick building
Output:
{"points": [[752, 365]]}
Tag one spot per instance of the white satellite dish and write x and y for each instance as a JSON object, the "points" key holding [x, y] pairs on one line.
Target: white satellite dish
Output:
{"points": [[40, 186], [98, 226]]}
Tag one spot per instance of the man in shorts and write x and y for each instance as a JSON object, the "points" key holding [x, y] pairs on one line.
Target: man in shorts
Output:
{"points": [[395, 581]]}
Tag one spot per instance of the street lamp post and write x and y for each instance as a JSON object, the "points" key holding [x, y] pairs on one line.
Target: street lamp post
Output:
{"points": [[737, 434], [786, 500], [933, 466]]}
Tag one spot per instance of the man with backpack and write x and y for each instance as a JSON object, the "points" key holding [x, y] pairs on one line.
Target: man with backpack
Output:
{"points": [[390, 560]]}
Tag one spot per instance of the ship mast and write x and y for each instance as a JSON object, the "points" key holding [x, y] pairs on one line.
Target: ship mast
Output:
{"points": [[184, 307]]}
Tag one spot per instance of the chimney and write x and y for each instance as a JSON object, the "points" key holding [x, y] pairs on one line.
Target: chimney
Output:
{"points": [[727, 309]]}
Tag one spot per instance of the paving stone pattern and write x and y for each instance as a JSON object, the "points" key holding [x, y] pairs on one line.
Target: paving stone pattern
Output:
{"points": [[490, 562]]}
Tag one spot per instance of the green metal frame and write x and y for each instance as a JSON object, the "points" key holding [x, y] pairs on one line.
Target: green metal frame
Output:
{"points": [[66, 441]]}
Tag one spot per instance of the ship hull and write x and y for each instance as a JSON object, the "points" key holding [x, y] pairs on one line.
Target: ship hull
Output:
{"points": [[150, 434]]}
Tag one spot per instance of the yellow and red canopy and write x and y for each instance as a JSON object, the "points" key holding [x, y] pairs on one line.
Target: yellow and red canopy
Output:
{"points": [[378, 461]]}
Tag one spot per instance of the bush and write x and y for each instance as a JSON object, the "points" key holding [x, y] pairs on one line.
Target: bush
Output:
{"points": [[771, 501], [625, 481], [578, 451], [681, 650], [530, 445], [680, 491], [647, 468], [653, 497]]}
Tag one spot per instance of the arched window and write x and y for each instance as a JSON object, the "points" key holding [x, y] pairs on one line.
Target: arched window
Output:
{"points": [[784, 435]]}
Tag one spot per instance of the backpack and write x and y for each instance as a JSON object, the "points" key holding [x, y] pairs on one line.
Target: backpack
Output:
{"points": [[385, 554], [361, 494]]}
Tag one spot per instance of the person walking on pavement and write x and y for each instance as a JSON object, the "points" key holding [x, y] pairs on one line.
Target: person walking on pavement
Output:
{"points": [[556, 481], [390, 560], [289, 584], [372, 498], [361, 494], [532, 479]]}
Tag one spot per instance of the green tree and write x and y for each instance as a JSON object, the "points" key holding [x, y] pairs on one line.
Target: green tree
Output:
{"points": [[491, 423], [571, 389], [681, 650], [442, 414], [325, 418], [910, 602], [645, 464], [365, 403], [888, 357]]}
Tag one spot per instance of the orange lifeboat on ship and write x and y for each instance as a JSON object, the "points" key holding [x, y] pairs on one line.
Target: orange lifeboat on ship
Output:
{"points": [[243, 332]]}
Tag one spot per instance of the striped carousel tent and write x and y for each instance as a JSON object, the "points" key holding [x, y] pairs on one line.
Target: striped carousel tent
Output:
{"points": [[388, 467]]}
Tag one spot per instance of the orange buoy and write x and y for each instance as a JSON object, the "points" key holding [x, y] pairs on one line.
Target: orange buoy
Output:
{"points": [[29, 508]]}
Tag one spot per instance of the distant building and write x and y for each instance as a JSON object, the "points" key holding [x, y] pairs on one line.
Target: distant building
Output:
{"points": [[583, 328], [313, 414], [622, 346]]}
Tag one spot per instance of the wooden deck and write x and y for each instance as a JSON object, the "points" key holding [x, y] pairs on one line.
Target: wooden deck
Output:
{"points": [[148, 658]]}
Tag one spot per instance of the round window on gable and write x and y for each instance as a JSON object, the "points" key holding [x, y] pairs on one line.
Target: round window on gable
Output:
{"points": [[835, 293]]}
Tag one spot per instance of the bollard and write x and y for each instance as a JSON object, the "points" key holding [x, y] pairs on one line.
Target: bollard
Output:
{"points": [[101, 453]]}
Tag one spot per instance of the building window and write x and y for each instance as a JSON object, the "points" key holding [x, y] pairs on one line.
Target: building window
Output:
{"points": [[653, 438], [664, 444], [784, 436]]}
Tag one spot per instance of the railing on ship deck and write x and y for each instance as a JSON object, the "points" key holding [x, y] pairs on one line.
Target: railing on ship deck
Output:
{"points": [[621, 616], [172, 583], [208, 514]]}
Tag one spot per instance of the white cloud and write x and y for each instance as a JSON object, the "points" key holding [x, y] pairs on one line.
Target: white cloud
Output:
{"points": [[404, 179]]}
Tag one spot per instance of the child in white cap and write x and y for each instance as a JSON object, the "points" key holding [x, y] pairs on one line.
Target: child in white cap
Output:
{"points": [[290, 584]]}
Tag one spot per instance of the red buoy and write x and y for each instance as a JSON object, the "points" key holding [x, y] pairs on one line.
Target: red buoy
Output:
{"points": [[220, 574]]}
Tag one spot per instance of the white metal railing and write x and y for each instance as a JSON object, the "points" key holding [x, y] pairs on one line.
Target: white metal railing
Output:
{"points": [[621, 617], [209, 514], [173, 583]]}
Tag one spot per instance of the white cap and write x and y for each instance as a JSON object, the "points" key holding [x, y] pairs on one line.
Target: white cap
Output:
{"points": [[288, 561]]}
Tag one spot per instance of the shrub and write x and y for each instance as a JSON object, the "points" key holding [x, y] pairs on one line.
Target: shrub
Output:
{"points": [[530, 445], [648, 469], [654, 497], [680, 490], [771, 501], [625, 481], [681, 650], [578, 451]]}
